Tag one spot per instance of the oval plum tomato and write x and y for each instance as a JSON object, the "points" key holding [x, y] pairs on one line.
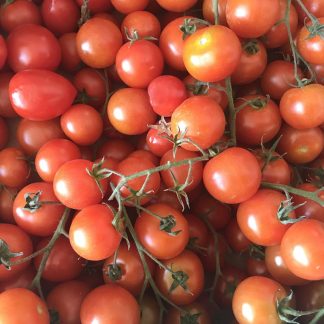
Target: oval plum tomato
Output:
{"points": [[20, 305], [31, 135], [72, 176], [278, 269], [135, 68], [252, 63], [208, 12], [300, 145], [177, 176], [232, 176], [205, 59], [258, 121], [33, 47], [157, 142], [166, 93], [14, 169], [41, 215], [106, 304], [96, 6], [156, 231], [235, 238], [278, 77], [131, 269], [54, 154], [132, 165], [310, 209], [82, 124], [126, 7], [302, 249], [258, 217], [311, 44], [171, 43], [98, 41], [176, 6], [145, 23], [184, 285], [70, 58], [92, 234], [254, 300], [60, 16], [196, 312], [303, 108], [191, 120], [19, 12], [17, 241], [66, 298], [130, 112], [62, 264], [278, 36], [40, 94], [243, 16]]}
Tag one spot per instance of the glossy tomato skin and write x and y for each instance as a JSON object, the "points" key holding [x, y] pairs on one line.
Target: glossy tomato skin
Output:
{"points": [[189, 263], [245, 20], [176, 6], [233, 176], [40, 94], [72, 176], [157, 143], [257, 217], [205, 59], [311, 48], [20, 305], [33, 47], [192, 119], [44, 220], [129, 111], [301, 249], [135, 69], [257, 124], [17, 241], [62, 264], [106, 304], [92, 234], [66, 298], [254, 301], [54, 154], [98, 41], [303, 108], [161, 244], [125, 7]]}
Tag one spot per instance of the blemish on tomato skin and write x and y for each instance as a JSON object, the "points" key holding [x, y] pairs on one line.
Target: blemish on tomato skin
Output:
{"points": [[40, 309]]}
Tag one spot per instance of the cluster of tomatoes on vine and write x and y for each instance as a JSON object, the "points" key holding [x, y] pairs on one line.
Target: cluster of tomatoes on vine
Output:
{"points": [[161, 161]]}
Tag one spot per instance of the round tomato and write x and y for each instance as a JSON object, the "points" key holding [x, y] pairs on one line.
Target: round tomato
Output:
{"points": [[117, 149], [70, 58], [157, 142], [208, 11], [126, 7], [4, 134], [6, 109], [176, 6], [96, 6], [235, 237], [7, 196]]}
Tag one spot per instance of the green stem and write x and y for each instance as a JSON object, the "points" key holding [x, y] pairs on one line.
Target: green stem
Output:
{"points": [[317, 317], [215, 11], [232, 112]]}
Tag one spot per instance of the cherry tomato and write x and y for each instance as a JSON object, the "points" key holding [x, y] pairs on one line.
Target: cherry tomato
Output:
{"points": [[208, 12], [117, 149], [6, 109], [235, 237], [176, 6], [96, 6], [157, 143], [4, 134], [126, 7], [70, 58], [7, 196]]}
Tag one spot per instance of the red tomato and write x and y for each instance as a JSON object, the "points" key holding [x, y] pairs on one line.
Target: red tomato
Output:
{"points": [[6, 109], [254, 301], [243, 16], [117, 149], [135, 69], [235, 237], [72, 176], [4, 133], [191, 119], [157, 143], [106, 304], [189, 265], [208, 12], [198, 233], [126, 7], [70, 58], [60, 16], [19, 12], [162, 243], [315, 7], [40, 94], [52, 155], [96, 5], [130, 112], [7, 196], [232, 176], [98, 41], [3, 52], [205, 59], [62, 264], [20, 305], [42, 220], [33, 47], [176, 6], [94, 238], [17, 241], [301, 249], [303, 108]]}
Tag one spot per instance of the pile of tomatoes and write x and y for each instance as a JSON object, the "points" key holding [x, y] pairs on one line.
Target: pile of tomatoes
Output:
{"points": [[161, 161]]}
